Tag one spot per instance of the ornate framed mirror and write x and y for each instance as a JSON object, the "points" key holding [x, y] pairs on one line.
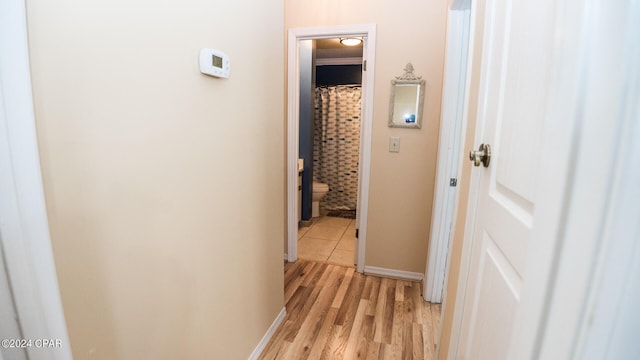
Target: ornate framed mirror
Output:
{"points": [[407, 100]]}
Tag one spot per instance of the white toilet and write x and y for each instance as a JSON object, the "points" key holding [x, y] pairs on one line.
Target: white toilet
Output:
{"points": [[319, 191]]}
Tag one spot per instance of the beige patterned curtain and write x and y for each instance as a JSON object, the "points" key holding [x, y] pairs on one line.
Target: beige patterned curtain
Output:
{"points": [[336, 144]]}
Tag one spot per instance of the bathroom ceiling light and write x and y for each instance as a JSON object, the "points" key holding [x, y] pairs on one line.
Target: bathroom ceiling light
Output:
{"points": [[350, 41]]}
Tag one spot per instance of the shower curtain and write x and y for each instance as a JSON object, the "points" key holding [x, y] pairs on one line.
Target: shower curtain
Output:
{"points": [[336, 144]]}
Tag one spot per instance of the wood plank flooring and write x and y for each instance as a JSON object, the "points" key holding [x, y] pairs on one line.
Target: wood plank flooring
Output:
{"points": [[334, 312]]}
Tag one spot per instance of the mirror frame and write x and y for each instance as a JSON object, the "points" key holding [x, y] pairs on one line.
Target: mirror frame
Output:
{"points": [[407, 79]]}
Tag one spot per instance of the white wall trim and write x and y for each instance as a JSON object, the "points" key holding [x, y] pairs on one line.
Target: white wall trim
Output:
{"points": [[339, 61], [368, 31], [364, 170], [293, 112], [268, 335], [393, 273], [24, 227], [472, 202], [452, 128]]}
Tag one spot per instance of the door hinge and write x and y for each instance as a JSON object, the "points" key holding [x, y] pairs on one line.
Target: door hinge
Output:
{"points": [[364, 65], [453, 182], [357, 233]]}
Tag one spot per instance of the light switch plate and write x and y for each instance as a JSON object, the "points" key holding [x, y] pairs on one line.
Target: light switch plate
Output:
{"points": [[394, 144]]}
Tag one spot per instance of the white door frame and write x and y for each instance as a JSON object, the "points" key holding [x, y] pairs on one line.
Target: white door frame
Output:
{"points": [[591, 139], [24, 227], [293, 96], [452, 127]]}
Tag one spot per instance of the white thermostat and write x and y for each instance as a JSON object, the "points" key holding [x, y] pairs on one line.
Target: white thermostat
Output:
{"points": [[214, 63]]}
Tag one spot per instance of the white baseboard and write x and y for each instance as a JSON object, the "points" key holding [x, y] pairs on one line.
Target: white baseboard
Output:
{"points": [[286, 257], [267, 336], [392, 273]]}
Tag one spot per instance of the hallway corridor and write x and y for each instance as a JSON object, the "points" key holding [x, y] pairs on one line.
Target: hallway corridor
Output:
{"points": [[334, 312]]}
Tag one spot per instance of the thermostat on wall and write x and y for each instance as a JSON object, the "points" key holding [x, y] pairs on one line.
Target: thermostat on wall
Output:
{"points": [[214, 63]]}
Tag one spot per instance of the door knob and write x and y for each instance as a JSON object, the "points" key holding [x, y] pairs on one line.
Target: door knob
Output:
{"points": [[483, 155]]}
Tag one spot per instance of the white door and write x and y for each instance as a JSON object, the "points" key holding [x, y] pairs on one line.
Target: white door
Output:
{"points": [[514, 80], [9, 326]]}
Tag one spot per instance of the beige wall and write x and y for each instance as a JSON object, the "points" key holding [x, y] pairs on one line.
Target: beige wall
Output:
{"points": [[463, 195], [163, 186], [401, 188]]}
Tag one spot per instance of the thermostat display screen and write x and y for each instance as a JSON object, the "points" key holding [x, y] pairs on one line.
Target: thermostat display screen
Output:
{"points": [[216, 61]]}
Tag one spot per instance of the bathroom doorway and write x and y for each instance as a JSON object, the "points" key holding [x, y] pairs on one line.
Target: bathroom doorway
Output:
{"points": [[329, 146], [329, 128]]}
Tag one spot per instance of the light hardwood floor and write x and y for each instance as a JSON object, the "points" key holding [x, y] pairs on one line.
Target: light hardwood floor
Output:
{"points": [[334, 312]]}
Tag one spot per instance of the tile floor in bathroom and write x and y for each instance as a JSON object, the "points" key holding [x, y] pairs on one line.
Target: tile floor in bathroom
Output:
{"points": [[328, 239]]}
